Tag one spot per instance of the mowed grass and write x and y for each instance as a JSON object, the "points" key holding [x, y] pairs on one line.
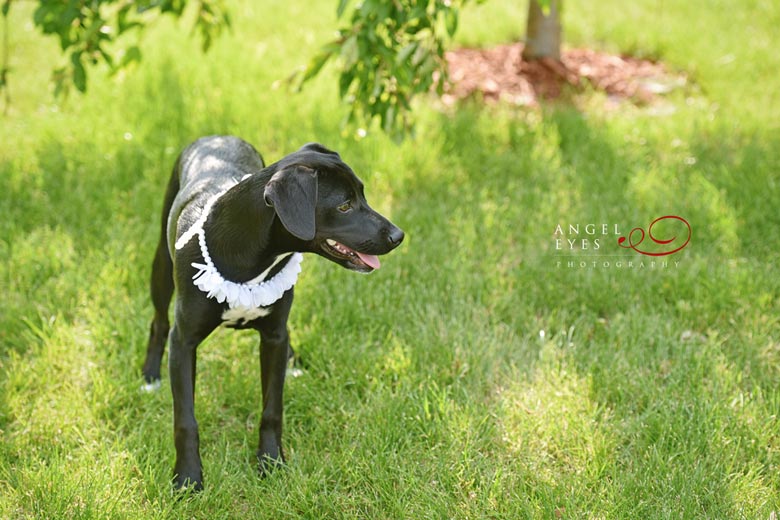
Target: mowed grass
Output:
{"points": [[470, 377]]}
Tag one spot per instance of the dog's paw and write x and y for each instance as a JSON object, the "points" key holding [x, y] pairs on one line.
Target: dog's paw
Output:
{"points": [[152, 386], [183, 486], [295, 365], [267, 464], [294, 372]]}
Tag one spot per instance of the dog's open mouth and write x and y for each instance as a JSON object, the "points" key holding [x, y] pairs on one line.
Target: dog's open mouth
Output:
{"points": [[361, 260]]}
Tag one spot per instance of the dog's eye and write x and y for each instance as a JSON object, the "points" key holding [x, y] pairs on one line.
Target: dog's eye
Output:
{"points": [[345, 206]]}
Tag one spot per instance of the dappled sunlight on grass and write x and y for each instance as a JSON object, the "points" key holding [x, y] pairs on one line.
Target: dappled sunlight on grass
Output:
{"points": [[680, 400], [553, 428]]}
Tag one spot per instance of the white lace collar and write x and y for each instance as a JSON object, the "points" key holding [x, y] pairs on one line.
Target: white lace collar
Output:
{"points": [[258, 292]]}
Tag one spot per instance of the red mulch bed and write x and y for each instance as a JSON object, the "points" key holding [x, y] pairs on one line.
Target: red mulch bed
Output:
{"points": [[501, 73]]}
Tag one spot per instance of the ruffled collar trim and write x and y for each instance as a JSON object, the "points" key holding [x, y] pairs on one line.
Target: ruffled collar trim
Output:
{"points": [[258, 292]]}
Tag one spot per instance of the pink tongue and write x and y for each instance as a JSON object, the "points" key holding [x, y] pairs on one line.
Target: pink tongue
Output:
{"points": [[370, 260]]}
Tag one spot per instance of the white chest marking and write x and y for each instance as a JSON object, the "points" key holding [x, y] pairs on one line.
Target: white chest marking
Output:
{"points": [[243, 314]]}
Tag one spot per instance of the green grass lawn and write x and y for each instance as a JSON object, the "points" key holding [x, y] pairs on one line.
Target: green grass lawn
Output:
{"points": [[471, 377]]}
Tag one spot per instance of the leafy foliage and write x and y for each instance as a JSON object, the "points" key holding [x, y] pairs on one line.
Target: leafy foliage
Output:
{"points": [[387, 53], [88, 30]]}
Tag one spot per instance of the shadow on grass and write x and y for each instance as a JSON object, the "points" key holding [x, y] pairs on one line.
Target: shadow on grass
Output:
{"points": [[742, 168]]}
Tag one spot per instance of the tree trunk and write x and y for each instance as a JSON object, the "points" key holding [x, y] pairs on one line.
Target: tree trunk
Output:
{"points": [[543, 33]]}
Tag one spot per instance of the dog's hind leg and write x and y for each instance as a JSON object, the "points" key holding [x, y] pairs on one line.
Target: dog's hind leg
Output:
{"points": [[161, 290]]}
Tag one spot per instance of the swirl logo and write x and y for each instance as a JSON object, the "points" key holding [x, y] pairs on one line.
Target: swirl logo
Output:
{"points": [[633, 244]]}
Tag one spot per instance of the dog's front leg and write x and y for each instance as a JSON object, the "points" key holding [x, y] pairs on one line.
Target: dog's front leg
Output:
{"points": [[181, 365], [274, 349]]}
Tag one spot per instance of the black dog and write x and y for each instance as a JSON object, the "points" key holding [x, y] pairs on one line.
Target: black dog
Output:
{"points": [[232, 234]]}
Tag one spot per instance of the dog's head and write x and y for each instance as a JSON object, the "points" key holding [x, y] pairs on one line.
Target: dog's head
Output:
{"points": [[320, 201]]}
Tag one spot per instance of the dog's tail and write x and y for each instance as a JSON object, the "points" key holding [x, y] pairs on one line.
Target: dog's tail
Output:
{"points": [[161, 288], [162, 269]]}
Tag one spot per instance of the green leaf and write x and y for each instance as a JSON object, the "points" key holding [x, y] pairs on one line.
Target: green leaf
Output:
{"points": [[123, 22], [6, 7], [315, 65], [369, 8], [79, 72], [106, 57], [350, 52], [388, 119], [345, 81], [419, 56], [407, 51], [131, 55], [451, 21], [379, 87], [342, 6]]}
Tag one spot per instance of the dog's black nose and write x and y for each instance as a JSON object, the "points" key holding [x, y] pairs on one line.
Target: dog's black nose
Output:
{"points": [[395, 236]]}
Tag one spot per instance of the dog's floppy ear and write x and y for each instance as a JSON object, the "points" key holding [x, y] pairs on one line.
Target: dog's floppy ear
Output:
{"points": [[292, 192]]}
